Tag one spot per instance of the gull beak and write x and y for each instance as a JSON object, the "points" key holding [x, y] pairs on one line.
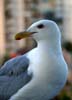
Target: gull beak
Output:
{"points": [[22, 35]]}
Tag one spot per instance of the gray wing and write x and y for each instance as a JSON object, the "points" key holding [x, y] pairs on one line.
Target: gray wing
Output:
{"points": [[13, 76]]}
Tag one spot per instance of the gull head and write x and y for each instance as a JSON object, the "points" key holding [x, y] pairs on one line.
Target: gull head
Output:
{"points": [[41, 30]]}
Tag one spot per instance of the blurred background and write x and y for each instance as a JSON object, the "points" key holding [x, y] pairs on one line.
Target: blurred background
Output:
{"points": [[17, 15]]}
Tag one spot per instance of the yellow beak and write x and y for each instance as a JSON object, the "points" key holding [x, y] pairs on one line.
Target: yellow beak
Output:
{"points": [[22, 35]]}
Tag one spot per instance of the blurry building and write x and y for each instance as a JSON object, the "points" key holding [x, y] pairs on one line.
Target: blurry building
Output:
{"points": [[14, 22], [17, 15], [68, 19], [2, 37]]}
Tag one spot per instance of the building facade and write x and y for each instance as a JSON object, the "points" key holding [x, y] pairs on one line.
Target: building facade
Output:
{"points": [[17, 15], [67, 19], [2, 36]]}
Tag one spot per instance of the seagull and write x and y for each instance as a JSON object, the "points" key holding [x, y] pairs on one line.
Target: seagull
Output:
{"points": [[44, 66]]}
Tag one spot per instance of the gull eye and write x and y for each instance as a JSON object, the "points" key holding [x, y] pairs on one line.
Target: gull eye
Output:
{"points": [[40, 26]]}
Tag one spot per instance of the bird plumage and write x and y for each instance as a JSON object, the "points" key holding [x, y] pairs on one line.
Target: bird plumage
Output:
{"points": [[46, 66], [13, 75]]}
